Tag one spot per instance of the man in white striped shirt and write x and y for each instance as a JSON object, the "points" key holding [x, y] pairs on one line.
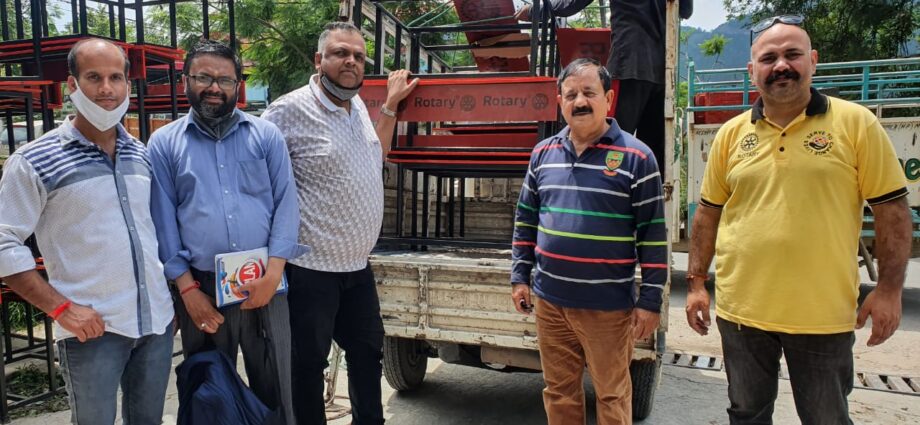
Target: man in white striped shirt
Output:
{"points": [[84, 190]]}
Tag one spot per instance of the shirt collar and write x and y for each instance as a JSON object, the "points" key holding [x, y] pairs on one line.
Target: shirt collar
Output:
{"points": [[817, 105], [323, 98], [612, 135], [68, 134], [243, 117]]}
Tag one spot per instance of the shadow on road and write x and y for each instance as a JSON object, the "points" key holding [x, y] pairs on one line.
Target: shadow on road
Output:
{"points": [[460, 395]]}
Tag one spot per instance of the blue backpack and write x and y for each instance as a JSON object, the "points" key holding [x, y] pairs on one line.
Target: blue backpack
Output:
{"points": [[212, 393]]}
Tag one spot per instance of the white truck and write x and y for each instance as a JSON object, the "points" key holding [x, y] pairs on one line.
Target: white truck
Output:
{"points": [[453, 302]]}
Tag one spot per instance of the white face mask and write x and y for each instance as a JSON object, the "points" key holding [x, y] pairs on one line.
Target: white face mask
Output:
{"points": [[95, 114]]}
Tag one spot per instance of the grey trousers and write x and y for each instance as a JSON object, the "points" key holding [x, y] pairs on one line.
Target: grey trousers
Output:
{"points": [[264, 335]]}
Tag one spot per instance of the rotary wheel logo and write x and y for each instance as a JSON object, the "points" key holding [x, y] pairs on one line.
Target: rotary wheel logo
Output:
{"points": [[749, 142], [467, 103], [540, 101]]}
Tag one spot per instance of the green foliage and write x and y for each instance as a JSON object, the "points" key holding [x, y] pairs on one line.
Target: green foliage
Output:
{"points": [[431, 13], [590, 17], [31, 380], [54, 13], [189, 26], [280, 38], [844, 30], [714, 46], [19, 316], [684, 41]]}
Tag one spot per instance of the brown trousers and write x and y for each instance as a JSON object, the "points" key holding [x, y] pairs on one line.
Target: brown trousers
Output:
{"points": [[569, 339]]}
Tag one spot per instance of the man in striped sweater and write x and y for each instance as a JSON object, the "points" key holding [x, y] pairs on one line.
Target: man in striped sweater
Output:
{"points": [[591, 208]]}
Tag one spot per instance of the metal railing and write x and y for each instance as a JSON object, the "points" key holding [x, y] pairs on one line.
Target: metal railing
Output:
{"points": [[873, 82]]}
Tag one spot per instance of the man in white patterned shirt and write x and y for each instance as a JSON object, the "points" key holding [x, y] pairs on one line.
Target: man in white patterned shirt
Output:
{"points": [[337, 157], [84, 190]]}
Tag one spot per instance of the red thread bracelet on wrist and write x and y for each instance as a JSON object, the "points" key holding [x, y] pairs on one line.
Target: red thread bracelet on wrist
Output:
{"points": [[59, 310], [194, 285]]}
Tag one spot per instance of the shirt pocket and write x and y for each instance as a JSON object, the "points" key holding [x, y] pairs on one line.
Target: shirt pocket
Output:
{"points": [[253, 178]]}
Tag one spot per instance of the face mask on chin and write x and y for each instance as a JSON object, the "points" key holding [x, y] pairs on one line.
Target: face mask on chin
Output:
{"points": [[98, 116], [337, 91]]}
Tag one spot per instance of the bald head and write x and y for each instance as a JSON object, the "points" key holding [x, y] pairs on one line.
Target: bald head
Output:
{"points": [[781, 34], [782, 64], [90, 49]]}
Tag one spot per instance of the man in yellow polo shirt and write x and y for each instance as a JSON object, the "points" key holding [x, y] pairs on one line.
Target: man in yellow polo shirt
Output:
{"points": [[782, 203]]}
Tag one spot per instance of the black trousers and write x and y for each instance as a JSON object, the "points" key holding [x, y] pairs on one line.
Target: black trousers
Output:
{"points": [[344, 307], [820, 370], [640, 111]]}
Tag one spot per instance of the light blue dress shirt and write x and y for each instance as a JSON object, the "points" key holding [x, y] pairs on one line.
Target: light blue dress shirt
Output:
{"points": [[216, 196]]}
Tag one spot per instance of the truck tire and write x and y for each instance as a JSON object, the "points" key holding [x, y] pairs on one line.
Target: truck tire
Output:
{"points": [[645, 374], [404, 362]]}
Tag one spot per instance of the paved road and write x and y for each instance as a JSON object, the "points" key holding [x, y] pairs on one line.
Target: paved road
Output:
{"points": [[460, 395]]}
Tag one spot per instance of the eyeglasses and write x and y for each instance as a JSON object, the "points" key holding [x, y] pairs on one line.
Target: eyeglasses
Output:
{"points": [[206, 81], [783, 19]]}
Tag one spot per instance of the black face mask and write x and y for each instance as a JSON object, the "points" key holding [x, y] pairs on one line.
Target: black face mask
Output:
{"points": [[215, 120], [338, 91]]}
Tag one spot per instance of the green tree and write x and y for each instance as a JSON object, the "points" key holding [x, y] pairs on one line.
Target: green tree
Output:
{"points": [[844, 30], [684, 41], [280, 38], [714, 46], [54, 12], [189, 25]]}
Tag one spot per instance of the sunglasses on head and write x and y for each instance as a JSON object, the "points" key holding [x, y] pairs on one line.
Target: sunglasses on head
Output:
{"points": [[783, 19]]}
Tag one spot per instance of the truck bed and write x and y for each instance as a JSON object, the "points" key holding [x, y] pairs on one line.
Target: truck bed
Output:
{"points": [[455, 296]]}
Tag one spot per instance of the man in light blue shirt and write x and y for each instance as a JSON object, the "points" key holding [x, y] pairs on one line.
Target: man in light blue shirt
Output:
{"points": [[223, 183], [83, 189]]}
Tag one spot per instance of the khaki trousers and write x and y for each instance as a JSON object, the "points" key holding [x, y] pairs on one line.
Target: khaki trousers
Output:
{"points": [[569, 339]]}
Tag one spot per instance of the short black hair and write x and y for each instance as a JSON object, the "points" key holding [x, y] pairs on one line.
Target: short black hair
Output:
{"points": [[72, 55], [577, 65], [216, 48], [332, 27]]}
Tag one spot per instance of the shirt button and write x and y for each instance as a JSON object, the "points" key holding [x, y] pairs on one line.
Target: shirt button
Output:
{"points": [[124, 199], [142, 286], [221, 165], [230, 216], [226, 192], [233, 245], [782, 149], [784, 134], [131, 229]]}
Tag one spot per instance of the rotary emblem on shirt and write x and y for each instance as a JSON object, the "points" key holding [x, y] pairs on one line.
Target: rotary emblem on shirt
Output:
{"points": [[819, 142], [613, 161], [748, 145]]}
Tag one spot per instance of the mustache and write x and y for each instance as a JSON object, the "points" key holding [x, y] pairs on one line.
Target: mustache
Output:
{"points": [[221, 96], [789, 74], [580, 110]]}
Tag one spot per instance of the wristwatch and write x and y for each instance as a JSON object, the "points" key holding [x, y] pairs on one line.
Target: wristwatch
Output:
{"points": [[386, 111]]}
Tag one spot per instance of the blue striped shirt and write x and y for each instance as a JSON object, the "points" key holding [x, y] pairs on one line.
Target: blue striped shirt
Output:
{"points": [[91, 219], [583, 223]]}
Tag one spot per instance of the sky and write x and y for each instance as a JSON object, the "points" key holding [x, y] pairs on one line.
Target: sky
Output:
{"points": [[707, 14]]}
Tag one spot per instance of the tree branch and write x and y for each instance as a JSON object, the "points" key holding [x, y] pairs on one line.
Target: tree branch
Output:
{"points": [[287, 41]]}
